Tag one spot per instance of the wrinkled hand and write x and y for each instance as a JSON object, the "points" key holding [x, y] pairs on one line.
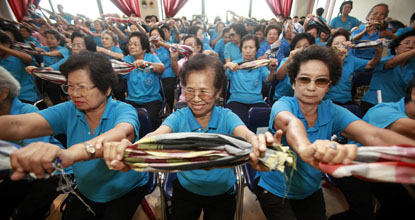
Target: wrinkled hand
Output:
{"points": [[233, 66], [114, 153], [29, 69], [139, 63], [38, 158], [259, 144], [323, 151]]}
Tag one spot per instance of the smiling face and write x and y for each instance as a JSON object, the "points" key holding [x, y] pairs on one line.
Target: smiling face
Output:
{"points": [[85, 96], [272, 36], [379, 13], [200, 92], [311, 93]]}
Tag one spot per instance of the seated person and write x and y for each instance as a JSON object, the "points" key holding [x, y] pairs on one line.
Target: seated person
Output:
{"points": [[232, 51]]}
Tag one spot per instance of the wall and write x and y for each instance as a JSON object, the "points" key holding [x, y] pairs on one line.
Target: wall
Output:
{"points": [[302, 7], [398, 9], [5, 10], [154, 10]]}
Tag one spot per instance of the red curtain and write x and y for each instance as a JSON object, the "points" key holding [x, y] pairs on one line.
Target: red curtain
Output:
{"points": [[19, 8], [171, 7], [128, 6], [280, 7]]}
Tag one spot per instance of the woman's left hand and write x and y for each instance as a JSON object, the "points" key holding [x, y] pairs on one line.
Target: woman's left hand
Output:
{"points": [[273, 64], [114, 153], [331, 152], [259, 144]]}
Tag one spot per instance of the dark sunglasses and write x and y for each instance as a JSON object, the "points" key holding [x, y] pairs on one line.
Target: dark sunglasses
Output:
{"points": [[320, 82]]}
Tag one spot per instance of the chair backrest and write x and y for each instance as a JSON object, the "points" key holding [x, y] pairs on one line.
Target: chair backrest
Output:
{"points": [[354, 109], [152, 180], [227, 92], [163, 99], [271, 92], [168, 186], [145, 122], [258, 119]]}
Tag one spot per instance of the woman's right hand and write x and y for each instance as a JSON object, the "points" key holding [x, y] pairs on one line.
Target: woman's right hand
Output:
{"points": [[29, 69], [232, 66], [139, 63], [114, 153]]}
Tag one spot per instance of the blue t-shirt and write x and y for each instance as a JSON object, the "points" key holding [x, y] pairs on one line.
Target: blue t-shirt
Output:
{"points": [[143, 85], [17, 68], [366, 54], [342, 92], [331, 119], [214, 34], [220, 49], [164, 55], [207, 47], [401, 31], [48, 60], [232, 51], [97, 40], [283, 88], [318, 42], [384, 114], [350, 22], [114, 49], [392, 82], [246, 85], [94, 179], [216, 181], [282, 52]]}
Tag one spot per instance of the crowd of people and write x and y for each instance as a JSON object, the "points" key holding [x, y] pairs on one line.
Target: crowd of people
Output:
{"points": [[310, 76]]}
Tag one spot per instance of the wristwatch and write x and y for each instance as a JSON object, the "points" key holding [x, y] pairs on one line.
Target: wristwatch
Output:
{"points": [[90, 149]]}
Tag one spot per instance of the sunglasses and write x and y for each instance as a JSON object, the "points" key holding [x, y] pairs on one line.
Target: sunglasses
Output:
{"points": [[320, 82]]}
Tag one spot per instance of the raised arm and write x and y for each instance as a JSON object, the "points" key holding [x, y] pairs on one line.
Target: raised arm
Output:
{"points": [[376, 59], [399, 59], [26, 58]]}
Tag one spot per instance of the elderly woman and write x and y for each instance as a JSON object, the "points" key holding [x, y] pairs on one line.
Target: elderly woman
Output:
{"points": [[90, 118], [272, 32], [32, 200], [393, 73], [373, 30], [109, 41], [232, 51], [144, 83], [342, 92], [199, 33], [345, 20], [306, 120], [246, 85], [15, 62]]}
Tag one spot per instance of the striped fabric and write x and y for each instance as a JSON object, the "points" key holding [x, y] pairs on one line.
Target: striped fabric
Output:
{"points": [[124, 68], [50, 75], [254, 64]]}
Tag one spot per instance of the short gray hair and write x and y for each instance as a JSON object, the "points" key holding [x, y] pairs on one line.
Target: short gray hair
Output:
{"points": [[8, 81], [112, 34]]}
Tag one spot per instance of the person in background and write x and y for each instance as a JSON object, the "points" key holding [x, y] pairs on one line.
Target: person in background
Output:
{"points": [[259, 34], [232, 51], [344, 20], [220, 45], [319, 13], [411, 26], [272, 32], [109, 40]]}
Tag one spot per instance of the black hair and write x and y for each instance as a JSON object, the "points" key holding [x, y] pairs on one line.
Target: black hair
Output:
{"points": [[205, 62], [408, 92], [157, 19], [247, 38], [412, 18], [239, 29], [339, 32], [316, 52], [193, 30], [56, 34], [395, 43], [270, 27], [5, 38], [226, 30], [98, 65], [343, 4], [312, 26], [161, 32], [89, 41], [145, 44], [26, 28], [198, 41], [295, 16], [16, 33], [320, 11], [373, 8], [301, 36], [259, 27]]}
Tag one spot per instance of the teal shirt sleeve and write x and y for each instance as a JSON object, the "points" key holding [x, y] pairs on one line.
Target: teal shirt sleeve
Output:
{"points": [[383, 115], [343, 118], [57, 116], [174, 120], [128, 114], [359, 64], [283, 104]]}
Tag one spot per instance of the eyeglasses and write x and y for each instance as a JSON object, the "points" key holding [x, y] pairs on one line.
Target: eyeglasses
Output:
{"points": [[190, 94], [82, 89], [231, 34], [320, 82]]}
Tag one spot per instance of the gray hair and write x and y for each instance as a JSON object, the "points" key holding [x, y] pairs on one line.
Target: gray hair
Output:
{"points": [[112, 34], [8, 81]]}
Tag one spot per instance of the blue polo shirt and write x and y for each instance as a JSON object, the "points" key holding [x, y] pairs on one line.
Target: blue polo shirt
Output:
{"points": [[350, 22], [263, 42], [232, 51], [207, 47], [114, 49], [216, 181], [331, 119], [283, 88], [366, 54], [401, 31], [94, 179], [164, 55], [220, 49], [143, 85], [342, 92], [246, 85], [384, 114], [392, 82], [17, 68], [48, 60], [318, 42], [214, 34]]}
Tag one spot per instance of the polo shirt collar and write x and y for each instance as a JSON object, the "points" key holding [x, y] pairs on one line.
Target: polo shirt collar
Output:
{"points": [[322, 115], [195, 126]]}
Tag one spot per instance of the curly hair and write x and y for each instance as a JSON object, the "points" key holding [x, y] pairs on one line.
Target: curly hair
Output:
{"points": [[145, 44], [316, 52]]}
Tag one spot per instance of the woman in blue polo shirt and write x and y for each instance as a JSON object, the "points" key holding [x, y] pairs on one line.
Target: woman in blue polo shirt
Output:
{"points": [[90, 118], [143, 83], [220, 44], [272, 32], [109, 41], [232, 51], [168, 78], [393, 73], [15, 62], [345, 20], [246, 85], [307, 121], [342, 92]]}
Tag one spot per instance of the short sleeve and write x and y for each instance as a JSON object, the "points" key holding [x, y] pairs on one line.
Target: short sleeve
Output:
{"points": [[383, 116], [343, 118], [57, 116], [359, 64], [154, 59], [126, 113], [264, 71], [227, 51], [173, 120], [283, 104], [232, 121]]}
